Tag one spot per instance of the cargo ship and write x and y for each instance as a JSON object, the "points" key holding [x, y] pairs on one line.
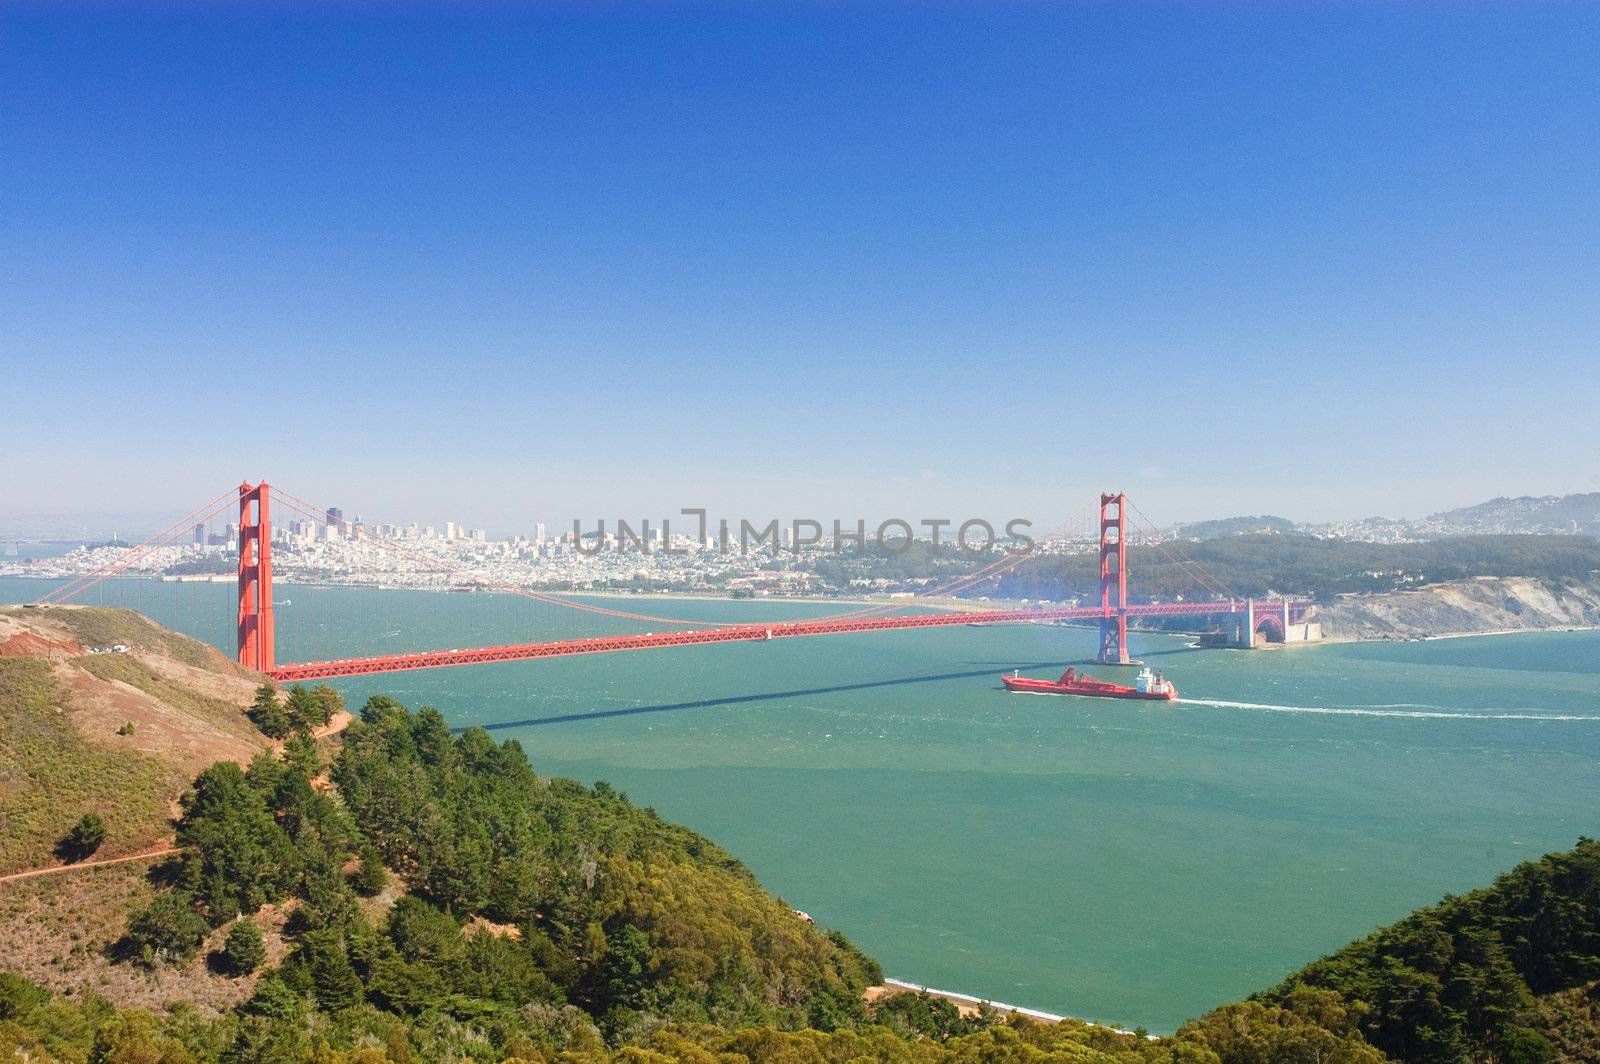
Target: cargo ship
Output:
{"points": [[1147, 685]]}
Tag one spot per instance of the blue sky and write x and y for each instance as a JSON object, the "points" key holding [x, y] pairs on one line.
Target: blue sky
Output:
{"points": [[502, 264]]}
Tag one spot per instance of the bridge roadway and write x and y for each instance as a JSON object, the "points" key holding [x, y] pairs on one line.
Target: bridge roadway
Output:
{"points": [[436, 659]]}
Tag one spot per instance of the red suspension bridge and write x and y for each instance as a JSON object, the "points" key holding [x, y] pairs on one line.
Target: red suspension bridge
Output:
{"points": [[256, 616]]}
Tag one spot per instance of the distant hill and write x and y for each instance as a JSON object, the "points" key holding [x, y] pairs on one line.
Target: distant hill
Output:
{"points": [[1525, 514], [1322, 567], [1235, 526]]}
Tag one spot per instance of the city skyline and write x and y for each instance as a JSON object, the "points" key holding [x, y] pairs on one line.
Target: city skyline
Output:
{"points": [[512, 265]]}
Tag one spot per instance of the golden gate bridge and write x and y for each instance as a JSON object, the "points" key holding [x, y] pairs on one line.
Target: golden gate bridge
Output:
{"points": [[257, 618]]}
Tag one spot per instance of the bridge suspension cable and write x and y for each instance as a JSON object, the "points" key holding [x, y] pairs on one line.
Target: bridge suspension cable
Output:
{"points": [[1192, 568], [133, 554]]}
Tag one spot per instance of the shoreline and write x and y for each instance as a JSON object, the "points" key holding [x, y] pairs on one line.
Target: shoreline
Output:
{"points": [[1432, 637], [970, 1005]]}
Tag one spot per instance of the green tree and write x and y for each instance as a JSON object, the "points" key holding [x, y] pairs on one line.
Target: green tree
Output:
{"points": [[19, 996], [132, 1038], [625, 969], [321, 967], [268, 714], [922, 1013], [423, 933], [401, 986], [1459, 980], [83, 839], [330, 701], [238, 857], [304, 711], [168, 930], [300, 756], [329, 901], [504, 970], [243, 950], [369, 877], [1252, 1032], [274, 999]]}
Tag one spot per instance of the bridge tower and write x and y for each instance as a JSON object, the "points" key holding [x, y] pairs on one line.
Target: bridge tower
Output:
{"points": [[255, 578], [1114, 579]]}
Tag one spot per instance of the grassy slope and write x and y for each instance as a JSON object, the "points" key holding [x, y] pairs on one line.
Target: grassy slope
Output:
{"points": [[224, 715], [49, 776], [101, 626]]}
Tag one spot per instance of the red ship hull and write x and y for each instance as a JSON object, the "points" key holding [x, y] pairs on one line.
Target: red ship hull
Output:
{"points": [[1070, 684]]}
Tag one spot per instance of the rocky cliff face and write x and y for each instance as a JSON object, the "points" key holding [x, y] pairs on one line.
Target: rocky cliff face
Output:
{"points": [[1486, 604]]}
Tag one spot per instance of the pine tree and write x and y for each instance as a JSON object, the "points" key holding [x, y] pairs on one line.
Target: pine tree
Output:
{"points": [[84, 838], [268, 715], [168, 930], [304, 711], [243, 950], [370, 877], [329, 700]]}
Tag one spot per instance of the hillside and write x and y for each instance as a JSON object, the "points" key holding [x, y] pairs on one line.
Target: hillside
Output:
{"points": [[115, 734], [1486, 604]]}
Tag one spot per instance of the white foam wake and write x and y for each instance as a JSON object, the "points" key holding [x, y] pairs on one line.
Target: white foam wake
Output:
{"points": [[1383, 711]]}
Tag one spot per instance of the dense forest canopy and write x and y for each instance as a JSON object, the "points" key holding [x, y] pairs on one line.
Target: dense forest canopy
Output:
{"points": [[1461, 980]]}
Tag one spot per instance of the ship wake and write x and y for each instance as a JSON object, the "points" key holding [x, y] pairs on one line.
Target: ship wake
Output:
{"points": [[1387, 711]]}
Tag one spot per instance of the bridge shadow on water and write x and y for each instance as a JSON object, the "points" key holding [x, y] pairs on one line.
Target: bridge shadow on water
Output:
{"points": [[771, 696]]}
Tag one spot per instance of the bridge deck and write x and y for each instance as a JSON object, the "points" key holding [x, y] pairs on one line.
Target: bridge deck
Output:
{"points": [[436, 659]]}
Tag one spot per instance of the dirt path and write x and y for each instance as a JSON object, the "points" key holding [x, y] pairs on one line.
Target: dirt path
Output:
{"points": [[336, 724], [165, 846]]}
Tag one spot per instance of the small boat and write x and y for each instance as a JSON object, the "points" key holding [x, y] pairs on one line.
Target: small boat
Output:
{"points": [[1147, 685]]}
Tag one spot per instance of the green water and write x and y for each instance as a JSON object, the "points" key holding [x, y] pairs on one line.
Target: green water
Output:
{"points": [[1134, 863]]}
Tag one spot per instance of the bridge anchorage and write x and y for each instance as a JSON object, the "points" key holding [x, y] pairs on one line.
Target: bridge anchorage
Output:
{"points": [[1246, 617]]}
